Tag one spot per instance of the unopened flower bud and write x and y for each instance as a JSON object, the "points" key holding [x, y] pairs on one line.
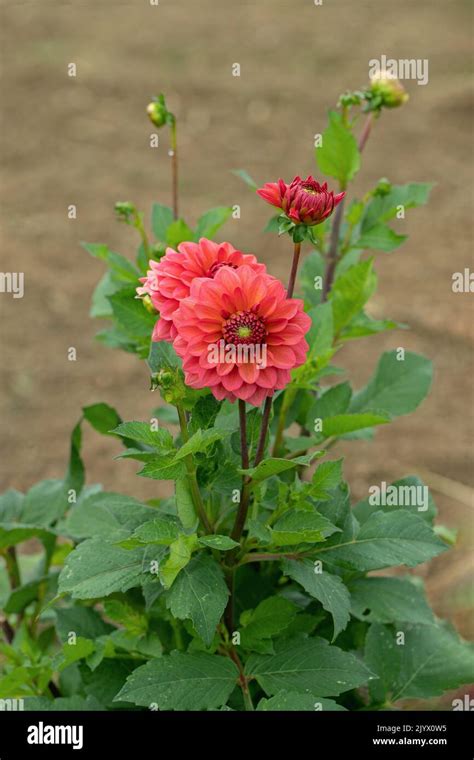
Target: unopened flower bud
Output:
{"points": [[157, 113], [171, 385], [148, 304], [124, 211], [389, 89]]}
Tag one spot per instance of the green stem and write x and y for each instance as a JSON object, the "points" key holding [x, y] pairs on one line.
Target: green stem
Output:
{"points": [[242, 511], [144, 237], [191, 471], [12, 567], [288, 398], [174, 165]]}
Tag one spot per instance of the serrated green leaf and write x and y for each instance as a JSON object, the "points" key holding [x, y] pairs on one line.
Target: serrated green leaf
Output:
{"points": [[274, 466], [308, 665], [143, 432], [179, 681], [326, 478], [97, 568], [393, 538], [108, 515], [161, 219], [338, 156], [102, 417], [380, 238], [178, 232], [211, 221], [221, 543], [300, 526], [326, 588], [397, 386], [431, 660], [387, 600], [122, 269], [180, 555], [200, 595], [350, 293], [270, 618]]}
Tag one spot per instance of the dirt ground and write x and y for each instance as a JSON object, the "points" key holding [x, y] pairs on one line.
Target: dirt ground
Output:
{"points": [[85, 141]]}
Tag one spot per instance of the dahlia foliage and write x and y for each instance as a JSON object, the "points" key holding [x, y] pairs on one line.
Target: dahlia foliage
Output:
{"points": [[243, 577]]}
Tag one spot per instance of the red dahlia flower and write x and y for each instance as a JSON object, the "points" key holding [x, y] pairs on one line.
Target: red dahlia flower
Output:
{"points": [[305, 201], [168, 281], [239, 335]]}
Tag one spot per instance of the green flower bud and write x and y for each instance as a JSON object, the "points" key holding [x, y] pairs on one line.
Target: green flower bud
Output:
{"points": [[157, 113], [125, 211], [171, 384], [389, 90], [148, 304]]}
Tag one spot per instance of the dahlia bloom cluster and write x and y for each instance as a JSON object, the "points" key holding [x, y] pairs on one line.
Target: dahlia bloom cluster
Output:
{"points": [[228, 319], [304, 201]]}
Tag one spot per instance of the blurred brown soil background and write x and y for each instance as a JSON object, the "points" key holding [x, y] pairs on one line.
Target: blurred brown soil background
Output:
{"points": [[85, 141]]}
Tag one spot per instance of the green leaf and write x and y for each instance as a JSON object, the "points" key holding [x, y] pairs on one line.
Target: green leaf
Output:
{"points": [[362, 325], [180, 555], [211, 221], [185, 503], [301, 526], [274, 466], [70, 653], [97, 568], [326, 478], [321, 334], [11, 502], [44, 503], [178, 232], [293, 701], [311, 278], [380, 237], [163, 531], [384, 207], [83, 621], [397, 386], [351, 291], [108, 515], [179, 681], [29, 592], [341, 424], [131, 315], [221, 543], [270, 618], [411, 492], [326, 588], [338, 156], [431, 660], [121, 268], [100, 304], [142, 431], [245, 176], [308, 665], [102, 417], [198, 442], [386, 600], [199, 594], [393, 538], [162, 356], [163, 468], [161, 219]]}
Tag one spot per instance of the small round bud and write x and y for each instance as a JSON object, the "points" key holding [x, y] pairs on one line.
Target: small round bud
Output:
{"points": [[125, 210], [157, 113], [389, 90], [148, 304]]}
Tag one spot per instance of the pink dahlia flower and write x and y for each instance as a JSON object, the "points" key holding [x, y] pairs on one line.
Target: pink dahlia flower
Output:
{"points": [[305, 201], [239, 334], [168, 281]]}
